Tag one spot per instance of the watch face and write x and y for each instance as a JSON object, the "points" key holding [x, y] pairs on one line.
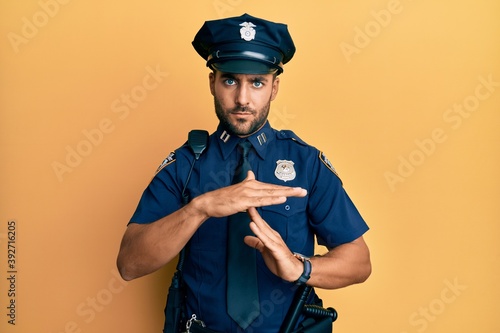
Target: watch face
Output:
{"points": [[299, 256]]}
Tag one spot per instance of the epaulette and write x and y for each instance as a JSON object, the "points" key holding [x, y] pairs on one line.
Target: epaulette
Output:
{"points": [[290, 135]]}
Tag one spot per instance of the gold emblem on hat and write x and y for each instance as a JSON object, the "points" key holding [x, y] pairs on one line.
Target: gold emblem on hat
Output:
{"points": [[285, 170], [247, 31]]}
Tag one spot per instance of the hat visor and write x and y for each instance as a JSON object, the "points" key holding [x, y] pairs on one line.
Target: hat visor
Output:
{"points": [[244, 67]]}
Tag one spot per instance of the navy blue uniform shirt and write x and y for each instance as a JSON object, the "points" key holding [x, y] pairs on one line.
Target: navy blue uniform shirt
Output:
{"points": [[279, 157]]}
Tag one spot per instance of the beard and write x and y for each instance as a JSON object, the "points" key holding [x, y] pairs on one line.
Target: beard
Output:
{"points": [[242, 127]]}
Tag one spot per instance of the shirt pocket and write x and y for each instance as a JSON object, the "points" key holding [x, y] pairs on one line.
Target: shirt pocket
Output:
{"points": [[290, 220]]}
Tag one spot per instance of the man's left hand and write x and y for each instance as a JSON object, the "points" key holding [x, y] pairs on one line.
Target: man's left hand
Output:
{"points": [[277, 256]]}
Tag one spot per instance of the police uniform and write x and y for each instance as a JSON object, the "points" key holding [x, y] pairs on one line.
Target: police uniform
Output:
{"points": [[278, 157]]}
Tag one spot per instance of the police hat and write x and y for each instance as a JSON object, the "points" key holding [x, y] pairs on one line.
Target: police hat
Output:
{"points": [[244, 45]]}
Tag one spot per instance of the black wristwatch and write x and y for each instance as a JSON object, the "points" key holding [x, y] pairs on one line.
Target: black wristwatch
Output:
{"points": [[306, 274]]}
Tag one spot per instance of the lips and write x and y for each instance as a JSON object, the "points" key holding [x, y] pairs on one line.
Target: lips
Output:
{"points": [[241, 112]]}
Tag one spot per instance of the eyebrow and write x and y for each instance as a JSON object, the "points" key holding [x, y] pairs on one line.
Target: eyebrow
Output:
{"points": [[253, 78]]}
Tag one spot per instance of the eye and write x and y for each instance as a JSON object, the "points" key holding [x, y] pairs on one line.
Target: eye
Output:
{"points": [[230, 82], [258, 84]]}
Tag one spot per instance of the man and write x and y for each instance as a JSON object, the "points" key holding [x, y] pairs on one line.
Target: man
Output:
{"points": [[290, 194]]}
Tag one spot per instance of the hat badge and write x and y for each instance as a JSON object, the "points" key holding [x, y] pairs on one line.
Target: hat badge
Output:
{"points": [[247, 31]]}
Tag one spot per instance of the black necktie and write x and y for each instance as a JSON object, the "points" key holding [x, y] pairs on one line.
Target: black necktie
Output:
{"points": [[242, 290]]}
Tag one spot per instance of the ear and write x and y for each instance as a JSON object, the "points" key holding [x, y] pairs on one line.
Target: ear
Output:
{"points": [[211, 81], [276, 85]]}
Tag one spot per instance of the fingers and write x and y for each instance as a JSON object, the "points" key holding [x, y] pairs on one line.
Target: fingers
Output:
{"points": [[263, 191], [254, 242], [273, 189], [254, 215], [267, 235], [264, 194], [250, 175], [248, 193], [261, 241], [256, 218]]}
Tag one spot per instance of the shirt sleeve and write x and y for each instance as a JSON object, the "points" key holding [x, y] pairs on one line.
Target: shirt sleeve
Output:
{"points": [[333, 216], [160, 198]]}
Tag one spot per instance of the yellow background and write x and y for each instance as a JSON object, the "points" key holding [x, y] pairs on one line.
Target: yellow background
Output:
{"points": [[378, 85]]}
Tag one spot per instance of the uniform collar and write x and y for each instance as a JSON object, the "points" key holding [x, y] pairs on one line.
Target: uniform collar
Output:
{"points": [[260, 140]]}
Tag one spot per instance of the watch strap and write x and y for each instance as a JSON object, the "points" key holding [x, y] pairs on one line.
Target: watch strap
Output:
{"points": [[306, 273]]}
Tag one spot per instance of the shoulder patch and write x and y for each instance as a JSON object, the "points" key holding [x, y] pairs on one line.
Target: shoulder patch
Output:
{"points": [[288, 134], [327, 162], [168, 160]]}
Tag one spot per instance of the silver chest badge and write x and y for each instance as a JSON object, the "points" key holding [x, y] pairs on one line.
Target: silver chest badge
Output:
{"points": [[247, 31], [285, 170]]}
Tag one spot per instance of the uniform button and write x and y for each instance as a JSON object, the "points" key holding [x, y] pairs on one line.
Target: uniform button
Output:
{"points": [[287, 207]]}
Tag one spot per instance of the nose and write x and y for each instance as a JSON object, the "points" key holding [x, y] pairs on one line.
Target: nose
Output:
{"points": [[242, 97]]}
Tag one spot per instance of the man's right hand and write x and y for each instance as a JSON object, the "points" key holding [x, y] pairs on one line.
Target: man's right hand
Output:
{"points": [[239, 197], [147, 247]]}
